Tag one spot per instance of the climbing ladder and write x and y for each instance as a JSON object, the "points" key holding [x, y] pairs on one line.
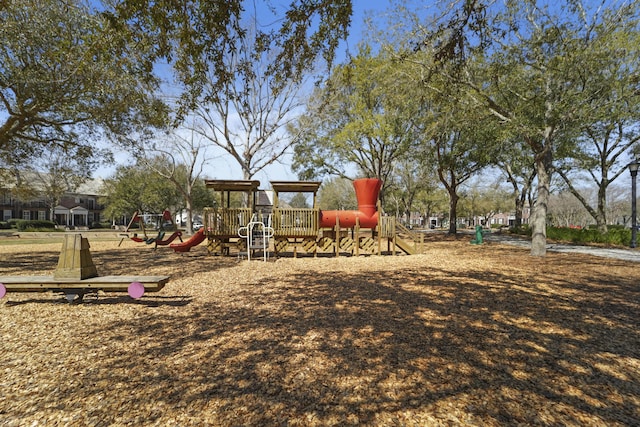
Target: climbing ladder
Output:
{"points": [[257, 235]]}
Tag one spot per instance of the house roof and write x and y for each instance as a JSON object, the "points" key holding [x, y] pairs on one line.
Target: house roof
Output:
{"points": [[91, 187]]}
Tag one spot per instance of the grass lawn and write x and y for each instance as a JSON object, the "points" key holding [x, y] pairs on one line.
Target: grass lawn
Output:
{"points": [[460, 335]]}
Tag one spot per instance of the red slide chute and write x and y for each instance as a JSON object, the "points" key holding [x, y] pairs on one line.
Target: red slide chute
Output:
{"points": [[194, 240]]}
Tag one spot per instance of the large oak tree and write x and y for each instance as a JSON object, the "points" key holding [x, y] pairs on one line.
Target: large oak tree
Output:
{"points": [[67, 79]]}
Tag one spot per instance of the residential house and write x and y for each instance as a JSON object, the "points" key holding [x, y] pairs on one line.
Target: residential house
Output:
{"points": [[80, 208]]}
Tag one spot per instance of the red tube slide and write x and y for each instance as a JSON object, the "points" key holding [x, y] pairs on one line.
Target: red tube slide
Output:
{"points": [[367, 191]]}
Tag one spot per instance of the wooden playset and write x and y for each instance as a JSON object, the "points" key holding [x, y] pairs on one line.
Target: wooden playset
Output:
{"points": [[76, 275], [298, 230]]}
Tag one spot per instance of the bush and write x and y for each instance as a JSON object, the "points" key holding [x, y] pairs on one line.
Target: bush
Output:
{"points": [[97, 224], [522, 230], [5, 225], [35, 225], [615, 236]]}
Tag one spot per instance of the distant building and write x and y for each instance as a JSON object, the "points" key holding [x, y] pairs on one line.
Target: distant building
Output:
{"points": [[80, 208], [441, 220]]}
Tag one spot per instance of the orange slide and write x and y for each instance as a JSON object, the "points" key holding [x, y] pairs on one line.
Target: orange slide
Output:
{"points": [[194, 240]]}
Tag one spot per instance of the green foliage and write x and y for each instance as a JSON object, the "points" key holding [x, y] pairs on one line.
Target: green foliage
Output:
{"points": [[337, 193], [522, 230], [299, 200], [4, 225], [135, 188], [35, 225], [615, 236], [543, 71], [100, 225], [361, 119], [67, 80], [201, 196]]}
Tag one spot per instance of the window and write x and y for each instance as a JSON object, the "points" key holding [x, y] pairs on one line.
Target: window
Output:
{"points": [[26, 215], [42, 215]]}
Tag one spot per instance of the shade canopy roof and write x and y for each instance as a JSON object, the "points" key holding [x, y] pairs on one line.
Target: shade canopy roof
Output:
{"points": [[228, 185], [295, 186]]}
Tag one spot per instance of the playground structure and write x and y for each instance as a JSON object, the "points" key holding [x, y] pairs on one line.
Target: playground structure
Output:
{"points": [[76, 275], [299, 230]]}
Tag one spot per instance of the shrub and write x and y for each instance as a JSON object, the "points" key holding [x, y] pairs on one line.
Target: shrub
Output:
{"points": [[35, 225], [4, 225], [97, 224], [617, 236], [522, 230]]}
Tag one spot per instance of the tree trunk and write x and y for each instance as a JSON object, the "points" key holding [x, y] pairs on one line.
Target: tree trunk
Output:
{"points": [[453, 212], [519, 210], [540, 207], [599, 214], [601, 218]]}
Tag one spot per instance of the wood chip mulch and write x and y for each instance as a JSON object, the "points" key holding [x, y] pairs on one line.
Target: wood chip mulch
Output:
{"points": [[460, 335]]}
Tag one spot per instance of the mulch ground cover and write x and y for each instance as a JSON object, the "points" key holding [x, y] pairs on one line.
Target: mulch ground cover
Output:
{"points": [[462, 334]]}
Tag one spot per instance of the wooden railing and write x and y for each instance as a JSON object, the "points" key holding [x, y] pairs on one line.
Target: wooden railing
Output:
{"points": [[387, 226], [416, 238], [295, 222], [225, 221]]}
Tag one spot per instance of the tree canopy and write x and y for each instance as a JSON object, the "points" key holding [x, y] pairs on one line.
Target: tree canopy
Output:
{"points": [[192, 36], [543, 66], [69, 80], [360, 121], [137, 188]]}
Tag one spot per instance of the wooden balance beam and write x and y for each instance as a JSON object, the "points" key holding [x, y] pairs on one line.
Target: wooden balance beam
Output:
{"points": [[76, 275]]}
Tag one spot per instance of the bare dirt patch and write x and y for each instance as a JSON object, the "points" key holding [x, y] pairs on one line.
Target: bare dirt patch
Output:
{"points": [[461, 335]]}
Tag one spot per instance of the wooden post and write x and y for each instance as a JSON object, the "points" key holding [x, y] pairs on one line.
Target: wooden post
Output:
{"points": [[336, 241], [380, 231], [357, 236], [75, 259]]}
